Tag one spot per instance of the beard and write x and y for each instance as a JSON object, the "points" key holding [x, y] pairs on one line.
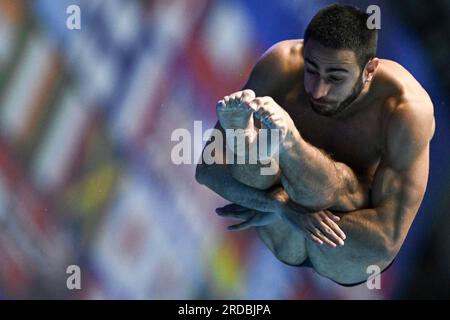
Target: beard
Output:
{"points": [[329, 112]]}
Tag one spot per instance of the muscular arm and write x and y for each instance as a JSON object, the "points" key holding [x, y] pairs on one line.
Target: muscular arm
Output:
{"points": [[376, 234], [334, 185], [401, 178]]}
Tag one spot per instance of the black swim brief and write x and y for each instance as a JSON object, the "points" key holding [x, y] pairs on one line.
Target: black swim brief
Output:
{"points": [[307, 263]]}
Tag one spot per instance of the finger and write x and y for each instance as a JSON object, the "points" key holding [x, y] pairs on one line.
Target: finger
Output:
{"points": [[322, 237], [335, 228], [243, 215], [314, 238], [234, 207], [226, 99], [330, 234], [328, 216], [332, 216], [241, 226]]}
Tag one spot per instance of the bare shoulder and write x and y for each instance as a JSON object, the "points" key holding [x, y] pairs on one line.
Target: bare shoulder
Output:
{"points": [[276, 67], [285, 55], [411, 122], [404, 87]]}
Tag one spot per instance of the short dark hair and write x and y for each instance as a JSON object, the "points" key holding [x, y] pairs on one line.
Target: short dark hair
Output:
{"points": [[344, 27]]}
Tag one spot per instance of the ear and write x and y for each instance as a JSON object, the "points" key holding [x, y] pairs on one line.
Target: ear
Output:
{"points": [[371, 67]]}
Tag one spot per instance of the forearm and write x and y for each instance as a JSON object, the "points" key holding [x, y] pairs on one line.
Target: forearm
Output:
{"points": [[383, 228], [316, 181], [280, 236], [218, 178]]}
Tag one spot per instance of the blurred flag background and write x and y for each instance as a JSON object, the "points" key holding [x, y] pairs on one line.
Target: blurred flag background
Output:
{"points": [[86, 176]]}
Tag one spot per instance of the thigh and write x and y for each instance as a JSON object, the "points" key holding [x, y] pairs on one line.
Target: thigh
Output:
{"points": [[363, 248]]}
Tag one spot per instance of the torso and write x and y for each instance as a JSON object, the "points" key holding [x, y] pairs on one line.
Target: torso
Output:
{"points": [[357, 140]]}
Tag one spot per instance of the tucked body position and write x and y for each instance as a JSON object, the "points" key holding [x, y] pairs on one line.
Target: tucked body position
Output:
{"points": [[352, 158]]}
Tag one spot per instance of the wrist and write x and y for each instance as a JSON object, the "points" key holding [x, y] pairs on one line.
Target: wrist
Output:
{"points": [[278, 200]]}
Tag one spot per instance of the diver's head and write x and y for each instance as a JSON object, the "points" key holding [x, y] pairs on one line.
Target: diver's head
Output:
{"points": [[339, 54]]}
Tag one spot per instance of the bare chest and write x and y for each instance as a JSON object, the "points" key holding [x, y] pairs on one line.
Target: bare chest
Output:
{"points": [[357, 141]]}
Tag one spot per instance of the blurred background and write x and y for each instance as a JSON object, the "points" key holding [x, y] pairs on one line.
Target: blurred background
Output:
{"points": [[86, 176]]}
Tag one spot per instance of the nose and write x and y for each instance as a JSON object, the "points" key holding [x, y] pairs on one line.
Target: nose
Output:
{"points": [[320, 89]]}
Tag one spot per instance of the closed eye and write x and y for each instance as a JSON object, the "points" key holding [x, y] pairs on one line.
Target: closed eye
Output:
{"points": [[335, 79]]}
